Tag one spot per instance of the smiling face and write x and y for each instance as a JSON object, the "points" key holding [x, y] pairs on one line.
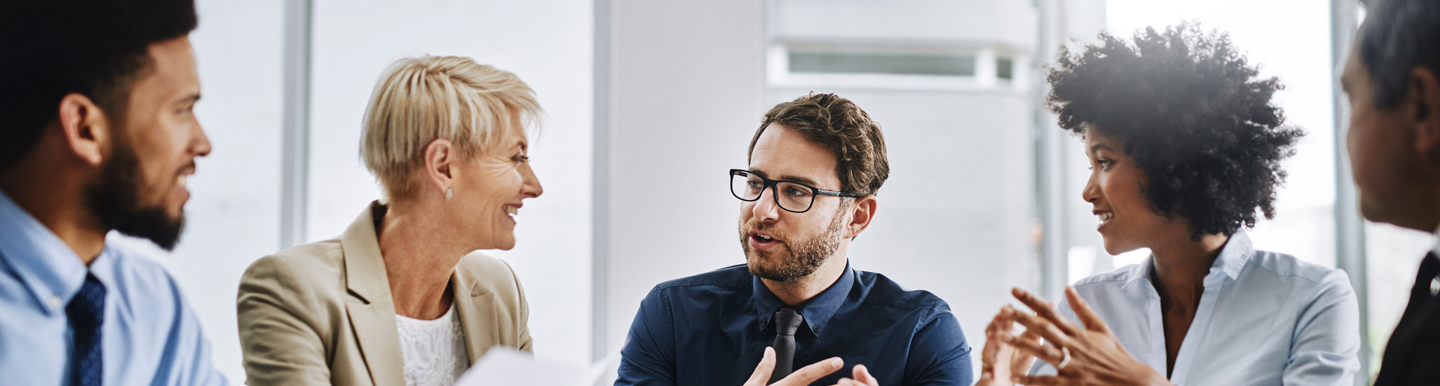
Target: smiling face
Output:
{"points": [[490, 187], [784, 246], [141, 187], [1116, 194]]}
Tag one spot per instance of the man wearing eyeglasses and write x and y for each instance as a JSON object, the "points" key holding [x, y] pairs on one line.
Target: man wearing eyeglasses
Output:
{"points": [[815, 166]]}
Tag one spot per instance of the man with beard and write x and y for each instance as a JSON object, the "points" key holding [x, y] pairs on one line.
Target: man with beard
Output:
{"points": [[1392, 79], [97, 133], [815, 166]]}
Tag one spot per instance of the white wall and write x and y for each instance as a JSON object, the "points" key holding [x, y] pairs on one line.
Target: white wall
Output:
{"points": [[686, 82]]}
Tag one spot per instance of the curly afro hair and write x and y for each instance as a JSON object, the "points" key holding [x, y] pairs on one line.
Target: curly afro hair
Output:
{"points": [[1193, 116]]}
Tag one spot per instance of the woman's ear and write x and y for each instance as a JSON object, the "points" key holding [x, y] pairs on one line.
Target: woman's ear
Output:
{"points": [[861, 214], [441, 157]]}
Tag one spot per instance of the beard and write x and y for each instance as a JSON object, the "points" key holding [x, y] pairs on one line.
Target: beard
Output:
{"points": [[795, 258], [115, 200]]}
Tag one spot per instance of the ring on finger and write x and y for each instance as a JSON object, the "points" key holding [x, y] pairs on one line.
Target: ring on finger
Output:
{"points": [[1063, 361]]}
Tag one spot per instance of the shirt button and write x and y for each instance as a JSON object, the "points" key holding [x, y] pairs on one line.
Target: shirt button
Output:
{"points": [[54, 301], [1434, 286]]}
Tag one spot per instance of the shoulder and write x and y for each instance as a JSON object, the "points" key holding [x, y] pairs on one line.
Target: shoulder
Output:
{"points": [[732, 276], [1115, 277], [1282, 266], [882, 291], [309, 268], [488, 272]]}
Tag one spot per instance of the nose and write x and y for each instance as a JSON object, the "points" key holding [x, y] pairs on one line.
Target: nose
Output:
{"points": [[201, 142], [531, 188], [1091, 192], [765, 208]]}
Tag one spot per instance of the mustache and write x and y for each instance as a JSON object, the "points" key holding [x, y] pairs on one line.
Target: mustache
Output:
{"points": [[753, 226]]}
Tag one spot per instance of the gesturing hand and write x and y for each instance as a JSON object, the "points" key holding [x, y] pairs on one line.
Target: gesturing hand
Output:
{"points": [[1082, 355], [862, 378], [803, 376], [999, 360]]}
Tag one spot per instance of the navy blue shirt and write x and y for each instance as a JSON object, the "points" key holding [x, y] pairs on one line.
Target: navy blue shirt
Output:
{"points": [[712, 329]]}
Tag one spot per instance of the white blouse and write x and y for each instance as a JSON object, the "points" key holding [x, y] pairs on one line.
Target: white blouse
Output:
{"points": [[433, 350], [1264, 319]]}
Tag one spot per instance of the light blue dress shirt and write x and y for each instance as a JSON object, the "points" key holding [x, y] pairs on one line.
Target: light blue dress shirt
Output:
{"points": [[1264, 319], [150, 335]]}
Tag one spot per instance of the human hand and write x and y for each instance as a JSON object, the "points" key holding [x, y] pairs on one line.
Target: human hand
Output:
{"points": [[999, 360], [803, 376], [861, 378], [1082, 355]]}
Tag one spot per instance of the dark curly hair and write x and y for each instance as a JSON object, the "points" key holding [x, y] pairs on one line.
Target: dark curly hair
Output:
{"points": [[1192, 114], [841, 127]]}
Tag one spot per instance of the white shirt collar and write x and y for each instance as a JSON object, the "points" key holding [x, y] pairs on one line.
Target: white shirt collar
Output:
{"points": [[1232, 259]]}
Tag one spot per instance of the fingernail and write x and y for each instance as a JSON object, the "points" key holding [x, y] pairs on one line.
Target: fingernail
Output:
{"points": [[837, 362]]}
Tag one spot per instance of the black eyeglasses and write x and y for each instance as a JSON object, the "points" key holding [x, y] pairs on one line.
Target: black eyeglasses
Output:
{"points": [[793, 197]]}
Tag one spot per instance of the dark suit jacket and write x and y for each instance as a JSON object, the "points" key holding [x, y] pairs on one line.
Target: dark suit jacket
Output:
{"points": [[1413, 355]]}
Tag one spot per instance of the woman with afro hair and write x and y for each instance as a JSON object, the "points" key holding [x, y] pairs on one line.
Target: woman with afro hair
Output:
{"points": [[1185, 146]]}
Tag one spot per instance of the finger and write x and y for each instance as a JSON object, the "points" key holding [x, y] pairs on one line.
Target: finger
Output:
{"points": [[1049, 354], [1045, 310], [763, 370], [1039, 380], [1044, 328], [1084, 313], [808, 374], [862, 376]]}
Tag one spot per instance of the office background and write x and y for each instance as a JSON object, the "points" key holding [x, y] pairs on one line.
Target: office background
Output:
{"points": [[650, 101]]}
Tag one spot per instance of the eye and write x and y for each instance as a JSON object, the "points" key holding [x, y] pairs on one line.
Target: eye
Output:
{"points": [[755, 184], [796, 191]]}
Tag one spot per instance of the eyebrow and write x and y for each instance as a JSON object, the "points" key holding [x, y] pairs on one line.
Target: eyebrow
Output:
{"points": [[192, 98], [802, 180], [1100, 146]]}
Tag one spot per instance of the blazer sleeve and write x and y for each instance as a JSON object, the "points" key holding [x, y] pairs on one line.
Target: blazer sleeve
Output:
{"points": [[278, 327]]}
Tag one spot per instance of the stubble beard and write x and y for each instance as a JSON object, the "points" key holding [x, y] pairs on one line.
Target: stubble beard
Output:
{"points": [[794, 259]]}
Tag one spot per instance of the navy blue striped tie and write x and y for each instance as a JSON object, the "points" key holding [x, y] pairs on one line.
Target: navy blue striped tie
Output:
{"points": [[86, 313]]}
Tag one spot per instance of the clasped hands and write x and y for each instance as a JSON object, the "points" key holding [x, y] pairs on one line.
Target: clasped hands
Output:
{"points": [[1087, 354]]}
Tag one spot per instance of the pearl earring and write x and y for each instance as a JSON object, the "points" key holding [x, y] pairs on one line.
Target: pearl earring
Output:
{"points": [[449, 192]]}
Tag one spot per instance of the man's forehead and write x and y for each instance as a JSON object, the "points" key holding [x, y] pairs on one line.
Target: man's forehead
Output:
{"points": [[783, 153]]}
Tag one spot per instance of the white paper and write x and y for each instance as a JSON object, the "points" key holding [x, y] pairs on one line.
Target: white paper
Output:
{"points": [[506, 366]]}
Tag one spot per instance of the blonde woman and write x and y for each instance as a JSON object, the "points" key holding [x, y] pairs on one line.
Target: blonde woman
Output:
{"points": [[399, 297]]}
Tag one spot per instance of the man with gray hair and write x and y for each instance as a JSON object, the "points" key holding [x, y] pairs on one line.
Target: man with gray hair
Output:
{"points": [[1393, 81]]}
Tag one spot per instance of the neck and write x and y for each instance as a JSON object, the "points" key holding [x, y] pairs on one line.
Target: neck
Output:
{"points": [[59, 205], [418, 260], [798, 291], [1181, 266]]}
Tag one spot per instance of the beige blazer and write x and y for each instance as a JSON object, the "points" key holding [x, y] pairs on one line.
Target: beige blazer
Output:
{"points": [[321, 313]]}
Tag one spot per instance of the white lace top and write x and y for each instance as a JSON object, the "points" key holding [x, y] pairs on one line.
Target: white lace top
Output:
{"points": [[433, 350]]}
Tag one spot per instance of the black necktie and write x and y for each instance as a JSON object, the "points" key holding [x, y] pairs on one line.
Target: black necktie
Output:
{"points": [[1421, 292], [86, 312], [786, 322]]}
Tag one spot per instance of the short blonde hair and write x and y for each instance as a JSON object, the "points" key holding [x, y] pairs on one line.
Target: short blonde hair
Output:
{"points": [[419, 100]]}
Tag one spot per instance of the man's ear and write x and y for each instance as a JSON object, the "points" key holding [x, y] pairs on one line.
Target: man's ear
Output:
{"points": [[85, 128], [862, 212], [1424, 94], [441, 157]]}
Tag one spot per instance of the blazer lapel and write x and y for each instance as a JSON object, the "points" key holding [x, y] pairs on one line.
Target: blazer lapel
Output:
{"points": [[370, 307], [478, 320]]}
